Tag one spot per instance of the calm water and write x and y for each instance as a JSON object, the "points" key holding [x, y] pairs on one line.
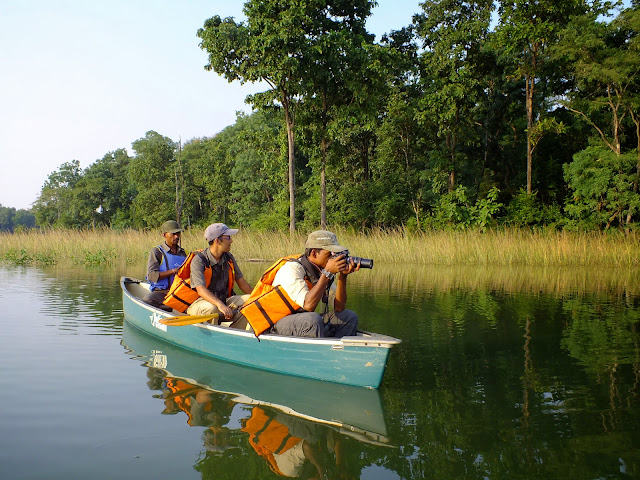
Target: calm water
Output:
{"points": [[490, 382]]}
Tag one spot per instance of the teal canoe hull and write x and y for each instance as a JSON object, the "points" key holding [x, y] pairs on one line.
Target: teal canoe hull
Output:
{"points": [[360, 360]]}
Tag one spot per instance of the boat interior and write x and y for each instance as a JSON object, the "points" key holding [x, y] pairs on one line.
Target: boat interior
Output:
{"points": [[138, 289]]}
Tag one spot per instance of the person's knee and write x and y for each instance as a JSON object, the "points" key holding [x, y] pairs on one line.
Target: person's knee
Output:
{"points": [[311, 325], [348, 316], [353, 316], [202, 307]]}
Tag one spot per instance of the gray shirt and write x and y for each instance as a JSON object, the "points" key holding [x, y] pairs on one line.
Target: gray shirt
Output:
{"points": [[219, 285], [156, 258]]}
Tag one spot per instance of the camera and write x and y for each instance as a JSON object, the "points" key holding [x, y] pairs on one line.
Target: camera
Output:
{"points": [[363, 262]]}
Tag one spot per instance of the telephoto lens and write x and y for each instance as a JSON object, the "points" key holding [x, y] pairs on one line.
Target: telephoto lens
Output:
{"points": [[363, 262]]}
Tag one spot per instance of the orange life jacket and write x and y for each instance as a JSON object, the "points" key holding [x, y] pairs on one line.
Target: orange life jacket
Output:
{"points": [[268, 304], [181, 294], [267, 436], [180, 395]]}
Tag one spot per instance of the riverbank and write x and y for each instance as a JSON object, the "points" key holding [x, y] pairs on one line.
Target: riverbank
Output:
{"points": [[494, 248]]}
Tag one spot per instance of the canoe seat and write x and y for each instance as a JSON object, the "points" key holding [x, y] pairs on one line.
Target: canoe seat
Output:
{"points": [[241, 323]]}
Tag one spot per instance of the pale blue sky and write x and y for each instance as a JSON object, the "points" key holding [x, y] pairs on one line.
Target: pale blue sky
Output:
{"points": [[80, 78]]}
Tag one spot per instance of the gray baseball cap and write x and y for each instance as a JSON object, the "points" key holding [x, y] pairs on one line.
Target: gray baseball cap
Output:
{"points": [[216, 230], [324, 240]]}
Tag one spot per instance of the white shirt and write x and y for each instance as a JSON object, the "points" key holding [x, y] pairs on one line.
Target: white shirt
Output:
{"points": [[291, 278]]}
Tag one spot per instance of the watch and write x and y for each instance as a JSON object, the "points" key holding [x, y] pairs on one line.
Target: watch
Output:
{"points": [[327, 274]]}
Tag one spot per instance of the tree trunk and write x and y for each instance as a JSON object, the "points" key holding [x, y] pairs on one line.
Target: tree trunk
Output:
{"points": [[323, 166], [529, 80], [179, 185], [323, 186], [292, 163]]}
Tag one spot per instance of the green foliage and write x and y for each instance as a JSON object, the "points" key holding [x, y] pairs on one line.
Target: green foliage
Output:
{"points": [[24, 258], [55, 205], [455, 211], [525, 210], [604, 188], [152, 176], [421, 129], [12, 219], [97, 258]]}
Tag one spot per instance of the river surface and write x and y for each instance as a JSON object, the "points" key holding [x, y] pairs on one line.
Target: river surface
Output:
{"points": [[501, 375]]}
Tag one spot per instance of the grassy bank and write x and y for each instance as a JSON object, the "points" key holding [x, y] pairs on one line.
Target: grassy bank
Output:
{"points": [[508, 247]]}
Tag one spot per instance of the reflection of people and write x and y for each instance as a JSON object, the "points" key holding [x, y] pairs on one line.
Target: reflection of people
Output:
{"points": [[284, 442], [163, 263], [285, 300], [203, 408], [216, 288]]}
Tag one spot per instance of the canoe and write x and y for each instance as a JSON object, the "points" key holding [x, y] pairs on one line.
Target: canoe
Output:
{"points": [[358, 360], [350, 410]]}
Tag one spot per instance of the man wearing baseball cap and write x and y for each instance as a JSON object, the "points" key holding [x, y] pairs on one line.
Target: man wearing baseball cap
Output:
{"points": [[214, 271], [163, 263], [302, 283]]}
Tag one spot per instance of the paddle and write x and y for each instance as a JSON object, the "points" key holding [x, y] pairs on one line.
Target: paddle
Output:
{"points": [[182, 320]]}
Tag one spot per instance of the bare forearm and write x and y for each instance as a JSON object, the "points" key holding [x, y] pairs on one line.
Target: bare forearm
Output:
{"points": [[205, 293], [168, 273], [244, 285], [340, 301]]}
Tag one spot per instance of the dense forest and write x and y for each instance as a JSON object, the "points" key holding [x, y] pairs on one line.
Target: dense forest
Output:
{"points": [[477, 114]]}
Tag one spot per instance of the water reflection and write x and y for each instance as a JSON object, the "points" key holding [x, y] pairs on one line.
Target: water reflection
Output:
{"points": [[501, 374], [256, 421]]}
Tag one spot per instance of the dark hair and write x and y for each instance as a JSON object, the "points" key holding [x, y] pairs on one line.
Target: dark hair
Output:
{"points": [[307, 251]]}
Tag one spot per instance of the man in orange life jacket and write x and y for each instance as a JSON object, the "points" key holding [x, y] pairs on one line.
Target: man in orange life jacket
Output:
{"points": [[321, 264], [163, 263], [215, 296]]}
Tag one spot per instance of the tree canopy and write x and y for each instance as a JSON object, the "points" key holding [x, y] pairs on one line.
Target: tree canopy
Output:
{"points": [[435, 125]]}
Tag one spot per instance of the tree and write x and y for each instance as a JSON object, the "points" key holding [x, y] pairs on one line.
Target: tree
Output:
{"points": [[601, 183], [336, 68], [452, 32], [152, 175], [604, 60], [54, 206], [6, 218], [527, 31], [105, 191], [603, 57], [267, 48]]}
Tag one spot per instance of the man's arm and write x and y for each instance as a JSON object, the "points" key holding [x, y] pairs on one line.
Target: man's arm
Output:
{"points": [[198, 282], [205, 293], [340, 302], [244, 285], [335, 265], [153, 266]]}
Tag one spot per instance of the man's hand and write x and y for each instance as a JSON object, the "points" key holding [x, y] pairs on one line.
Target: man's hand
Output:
{"points": [[350, 268], [336, 264], [339, 264], [226, 311]]}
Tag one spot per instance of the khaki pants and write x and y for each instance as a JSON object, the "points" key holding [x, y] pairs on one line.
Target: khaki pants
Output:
{"points": [[203, 307]]}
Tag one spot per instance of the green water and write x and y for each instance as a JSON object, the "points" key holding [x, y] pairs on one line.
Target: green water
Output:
{"points": [[494, 379]]}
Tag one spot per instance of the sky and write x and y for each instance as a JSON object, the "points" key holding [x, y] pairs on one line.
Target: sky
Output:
{"points": [[81, 78]]}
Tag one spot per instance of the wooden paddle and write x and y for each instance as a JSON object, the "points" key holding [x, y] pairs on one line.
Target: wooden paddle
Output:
{"points": [[182, 320]]}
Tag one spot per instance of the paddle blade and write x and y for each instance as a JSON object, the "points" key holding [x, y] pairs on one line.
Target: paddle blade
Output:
{"points": [[182, 320]]}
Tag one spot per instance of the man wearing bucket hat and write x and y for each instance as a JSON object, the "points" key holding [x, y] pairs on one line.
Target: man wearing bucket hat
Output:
{"points": [[213, 274], [163, 263], [285, 299]]}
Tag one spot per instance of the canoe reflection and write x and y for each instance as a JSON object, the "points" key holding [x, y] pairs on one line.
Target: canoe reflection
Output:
{"points": [[290, 446], [208, 391]]}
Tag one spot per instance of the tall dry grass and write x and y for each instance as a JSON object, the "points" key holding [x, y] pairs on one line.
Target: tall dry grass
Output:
{"points": [[496, 248]]}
